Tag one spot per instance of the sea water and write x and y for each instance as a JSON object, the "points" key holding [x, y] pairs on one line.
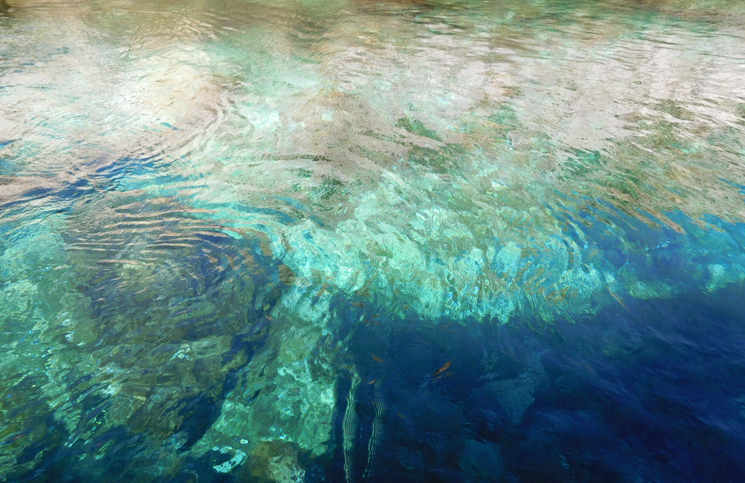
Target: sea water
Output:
{"points": [[372, 241]]}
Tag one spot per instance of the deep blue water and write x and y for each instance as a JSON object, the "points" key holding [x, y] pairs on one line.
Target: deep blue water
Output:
{"points": [[359, 241]]}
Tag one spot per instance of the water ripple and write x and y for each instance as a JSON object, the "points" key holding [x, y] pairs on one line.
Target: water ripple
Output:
{"points": [[209, 210]]}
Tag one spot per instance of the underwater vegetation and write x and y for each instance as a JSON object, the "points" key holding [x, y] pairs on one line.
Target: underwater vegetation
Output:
{"points": [[362, 241]]}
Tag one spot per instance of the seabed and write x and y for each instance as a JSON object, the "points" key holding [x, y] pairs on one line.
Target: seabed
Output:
{"points": [[372, 241]]}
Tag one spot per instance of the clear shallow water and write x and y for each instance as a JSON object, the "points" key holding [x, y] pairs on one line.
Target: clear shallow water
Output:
{"points": [[372, 241]]}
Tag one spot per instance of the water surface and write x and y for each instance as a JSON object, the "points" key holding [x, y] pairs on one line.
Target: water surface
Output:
{"points": [[354, 241]]}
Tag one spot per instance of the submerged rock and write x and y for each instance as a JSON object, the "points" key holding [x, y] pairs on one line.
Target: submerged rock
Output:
{"points": [[285, 397], [482, 461]]}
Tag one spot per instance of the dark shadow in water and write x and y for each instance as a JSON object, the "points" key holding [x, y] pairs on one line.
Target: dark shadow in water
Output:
{"points": [[652, 392]]}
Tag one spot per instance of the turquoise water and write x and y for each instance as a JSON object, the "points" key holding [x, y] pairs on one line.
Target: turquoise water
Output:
{"points": [[352, 241]]}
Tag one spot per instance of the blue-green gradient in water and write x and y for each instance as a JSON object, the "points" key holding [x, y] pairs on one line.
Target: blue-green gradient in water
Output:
{"points": [[372, 241]]}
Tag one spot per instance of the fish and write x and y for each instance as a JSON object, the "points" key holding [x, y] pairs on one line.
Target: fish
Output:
{"points": [[443, 368]]}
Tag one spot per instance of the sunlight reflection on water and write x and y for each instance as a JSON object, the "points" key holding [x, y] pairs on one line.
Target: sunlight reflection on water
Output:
{"points": [[201, 202]]}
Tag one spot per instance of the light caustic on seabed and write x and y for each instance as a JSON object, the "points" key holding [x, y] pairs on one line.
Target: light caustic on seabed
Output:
{"points": [[166, 165]]}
